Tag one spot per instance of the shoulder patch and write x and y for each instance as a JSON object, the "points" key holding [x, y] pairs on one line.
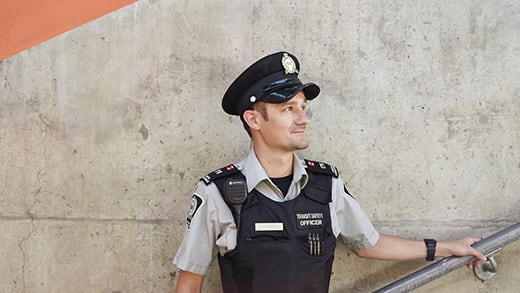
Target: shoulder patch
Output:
{"points": [[222, 172], [319, 167], [195, 204]]}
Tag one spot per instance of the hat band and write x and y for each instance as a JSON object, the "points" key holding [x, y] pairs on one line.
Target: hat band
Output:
{"points": [[279, 85], [274, 82]]}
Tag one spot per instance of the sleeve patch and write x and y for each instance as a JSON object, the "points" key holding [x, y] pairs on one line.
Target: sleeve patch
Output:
{"points": [[195, 204], [347, 192]]}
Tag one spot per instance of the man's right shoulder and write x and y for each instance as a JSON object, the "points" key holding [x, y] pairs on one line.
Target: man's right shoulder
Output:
{"points": [[220, 173]]}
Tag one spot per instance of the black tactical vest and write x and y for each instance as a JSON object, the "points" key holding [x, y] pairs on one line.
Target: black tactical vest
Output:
{"points": [[282, 246]]}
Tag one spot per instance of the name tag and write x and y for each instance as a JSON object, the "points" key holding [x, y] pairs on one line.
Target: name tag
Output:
{"points": [[268, 226]]}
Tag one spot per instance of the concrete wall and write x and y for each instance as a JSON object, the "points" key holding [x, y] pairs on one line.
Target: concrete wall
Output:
{"points": [[106, 129]]}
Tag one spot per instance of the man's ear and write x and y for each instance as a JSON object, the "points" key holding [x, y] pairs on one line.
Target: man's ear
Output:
{"points": [[251, 118]]}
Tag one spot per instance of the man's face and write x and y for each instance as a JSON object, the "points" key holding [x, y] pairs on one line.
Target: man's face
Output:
{"points": [[286, 125]]}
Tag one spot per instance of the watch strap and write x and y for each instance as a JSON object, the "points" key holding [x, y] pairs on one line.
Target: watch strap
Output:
{"points": [[430, 249]]}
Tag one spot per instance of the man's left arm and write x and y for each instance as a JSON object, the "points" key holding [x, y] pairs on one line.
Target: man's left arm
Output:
{"points": [[389, 247]]}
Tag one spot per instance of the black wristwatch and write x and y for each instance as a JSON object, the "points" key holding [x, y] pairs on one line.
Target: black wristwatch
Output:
{"points": [[430, 249]]}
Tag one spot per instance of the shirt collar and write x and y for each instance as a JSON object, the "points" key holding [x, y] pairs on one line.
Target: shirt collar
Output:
{"points": [[255, 173]]}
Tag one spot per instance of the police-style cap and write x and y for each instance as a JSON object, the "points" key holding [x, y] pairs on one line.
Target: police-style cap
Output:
{"points": [[272, 79]]}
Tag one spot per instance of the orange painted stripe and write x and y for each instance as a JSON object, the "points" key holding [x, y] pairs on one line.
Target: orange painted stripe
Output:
{"points": [[25, 23]]}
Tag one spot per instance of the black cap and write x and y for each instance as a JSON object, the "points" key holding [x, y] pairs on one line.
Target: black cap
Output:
{"points": [[272, 79]]}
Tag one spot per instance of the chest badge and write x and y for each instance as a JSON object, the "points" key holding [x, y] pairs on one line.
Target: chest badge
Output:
{"points": [[309, 220]]}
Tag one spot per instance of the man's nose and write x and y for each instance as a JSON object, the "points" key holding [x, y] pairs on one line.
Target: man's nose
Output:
{"points": [[303, 118]]}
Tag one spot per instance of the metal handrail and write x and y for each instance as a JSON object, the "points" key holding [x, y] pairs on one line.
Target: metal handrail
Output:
{"points": [[438, 269]]}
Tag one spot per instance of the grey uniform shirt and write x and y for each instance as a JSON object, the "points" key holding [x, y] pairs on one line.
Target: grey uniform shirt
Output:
{"points": [[210, 226]]}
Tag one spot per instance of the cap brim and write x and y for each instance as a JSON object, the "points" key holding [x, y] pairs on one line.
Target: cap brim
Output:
{"points": [[310, 90]]}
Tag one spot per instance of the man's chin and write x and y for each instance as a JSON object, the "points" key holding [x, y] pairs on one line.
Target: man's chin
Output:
{"points": [[301, 146]]}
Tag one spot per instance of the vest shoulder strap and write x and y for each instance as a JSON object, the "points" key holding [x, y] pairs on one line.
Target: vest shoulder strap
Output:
{"points": [[227, 171], [233, 197], [321, 168]]}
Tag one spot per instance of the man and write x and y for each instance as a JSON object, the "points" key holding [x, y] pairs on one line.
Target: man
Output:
{"points": [[289, 212]]}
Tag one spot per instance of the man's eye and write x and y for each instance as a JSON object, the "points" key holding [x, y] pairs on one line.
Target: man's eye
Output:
{"points": [[288, 109]]}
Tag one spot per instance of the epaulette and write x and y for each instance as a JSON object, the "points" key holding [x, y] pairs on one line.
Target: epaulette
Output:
{"points": [[319, 167], [219, 173]]}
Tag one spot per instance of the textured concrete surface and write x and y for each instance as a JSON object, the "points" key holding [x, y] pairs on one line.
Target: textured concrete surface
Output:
{"points": [[105, 130]]}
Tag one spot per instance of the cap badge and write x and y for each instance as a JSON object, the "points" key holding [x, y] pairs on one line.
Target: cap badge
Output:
{"points": [[288, 64]]}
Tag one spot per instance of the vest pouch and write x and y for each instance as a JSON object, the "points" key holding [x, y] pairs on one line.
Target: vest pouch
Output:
{"points": [[259, 268]]}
